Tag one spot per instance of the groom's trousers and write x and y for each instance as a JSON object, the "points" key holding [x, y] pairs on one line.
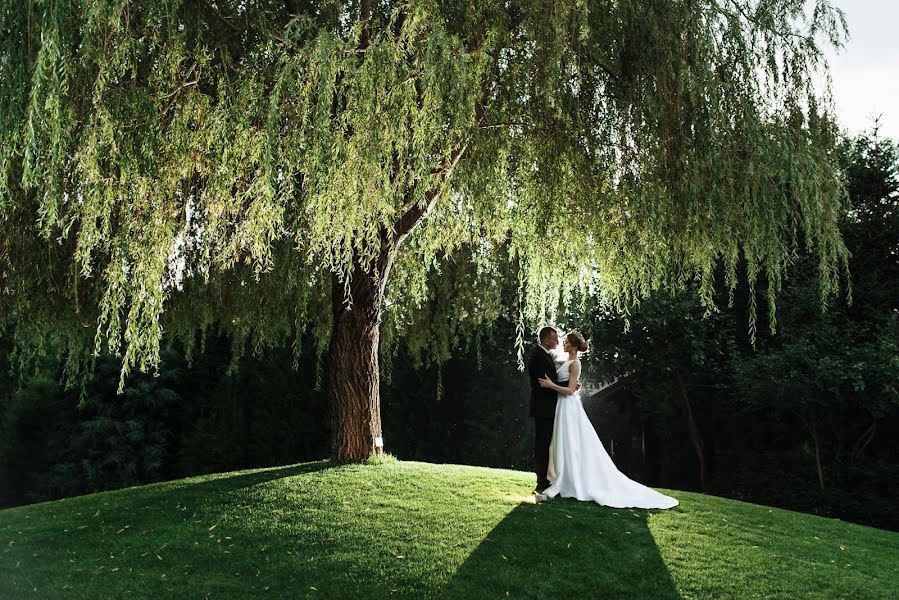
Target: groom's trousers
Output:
{"points": [[543, 435]]}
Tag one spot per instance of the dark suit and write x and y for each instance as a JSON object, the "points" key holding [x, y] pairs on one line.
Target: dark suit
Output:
{"points": [[543, 409]]}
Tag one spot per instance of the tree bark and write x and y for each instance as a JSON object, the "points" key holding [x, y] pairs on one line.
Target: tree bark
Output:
{"points": [[695, 436], [354, 375], [814, 431]]}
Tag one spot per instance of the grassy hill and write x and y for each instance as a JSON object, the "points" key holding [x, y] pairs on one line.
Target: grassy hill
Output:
{"points": [[414, 530]]}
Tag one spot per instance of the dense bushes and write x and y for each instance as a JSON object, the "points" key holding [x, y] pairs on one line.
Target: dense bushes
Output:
{"points": [[58, 443], [187, 420]]}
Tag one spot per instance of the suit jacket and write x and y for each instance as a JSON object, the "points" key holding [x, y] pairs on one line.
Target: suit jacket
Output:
{"points": [[543, 400]]}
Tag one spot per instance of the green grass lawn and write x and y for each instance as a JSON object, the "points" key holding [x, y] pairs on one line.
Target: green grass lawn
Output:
{"points": [[415, 530]]}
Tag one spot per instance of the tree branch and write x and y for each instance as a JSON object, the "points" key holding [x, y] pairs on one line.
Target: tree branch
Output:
{"points": [[365, 17], [755, 21], [416, 213], [605, 66], [502, 125], [214, 10]]}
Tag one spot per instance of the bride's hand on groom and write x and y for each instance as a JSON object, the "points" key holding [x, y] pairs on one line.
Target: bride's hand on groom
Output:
{"points": [[545, 382]]}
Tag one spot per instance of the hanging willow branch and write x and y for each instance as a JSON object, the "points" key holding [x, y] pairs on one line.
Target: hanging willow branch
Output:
{"points": [[168, 167]]}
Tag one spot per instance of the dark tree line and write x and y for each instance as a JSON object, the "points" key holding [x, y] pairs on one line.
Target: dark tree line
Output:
{"points": [[190, 419]]}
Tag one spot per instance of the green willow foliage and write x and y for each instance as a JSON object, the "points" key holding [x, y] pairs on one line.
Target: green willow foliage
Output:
{"points": [[178, 165]]}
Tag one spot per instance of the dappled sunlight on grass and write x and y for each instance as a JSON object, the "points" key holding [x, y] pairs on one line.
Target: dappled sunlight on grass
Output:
{"points": [[529, 499]]}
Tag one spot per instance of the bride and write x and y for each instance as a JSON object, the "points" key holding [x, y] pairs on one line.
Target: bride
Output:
{"points": [[579, 466]]}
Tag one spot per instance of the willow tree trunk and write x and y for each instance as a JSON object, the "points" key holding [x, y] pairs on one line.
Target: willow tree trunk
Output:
{"points": [[354, 390], [354, 378]]}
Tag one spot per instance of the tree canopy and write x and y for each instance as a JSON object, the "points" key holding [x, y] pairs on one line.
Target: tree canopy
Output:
{"points": [[174, 166]]}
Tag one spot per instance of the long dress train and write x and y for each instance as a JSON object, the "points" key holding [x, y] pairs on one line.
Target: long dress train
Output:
{"points": [[580, 467]]}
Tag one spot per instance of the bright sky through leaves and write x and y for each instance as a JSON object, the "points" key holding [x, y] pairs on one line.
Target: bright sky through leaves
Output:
{"points": [[866, 72]]}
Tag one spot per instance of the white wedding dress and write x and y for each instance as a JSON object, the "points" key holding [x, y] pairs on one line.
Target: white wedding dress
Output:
{"points": [[579, 466]]}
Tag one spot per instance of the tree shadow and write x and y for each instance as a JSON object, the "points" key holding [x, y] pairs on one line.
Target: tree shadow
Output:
{"points": [[565, 548], [195, 486], [237, 480]]}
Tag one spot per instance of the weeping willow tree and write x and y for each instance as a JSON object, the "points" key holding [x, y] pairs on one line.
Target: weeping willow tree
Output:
{"points": [[266, 168]]}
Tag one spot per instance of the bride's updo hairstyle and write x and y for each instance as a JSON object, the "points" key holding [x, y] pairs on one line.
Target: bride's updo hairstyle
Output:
{"points": [[577, 340]]}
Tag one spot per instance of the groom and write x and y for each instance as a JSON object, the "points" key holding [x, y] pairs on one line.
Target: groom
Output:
{"points": [[543, 401]]}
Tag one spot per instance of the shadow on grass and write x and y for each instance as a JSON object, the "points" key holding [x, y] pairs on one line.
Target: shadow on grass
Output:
{"points": [[565, 548], [228, 483], [236, 481], [181, 488]]}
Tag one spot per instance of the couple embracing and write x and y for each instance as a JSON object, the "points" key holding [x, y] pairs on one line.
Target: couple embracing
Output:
{"points": [[569, 458]]}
